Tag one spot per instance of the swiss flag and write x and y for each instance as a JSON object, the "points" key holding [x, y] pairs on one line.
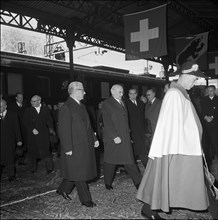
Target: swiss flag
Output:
{"points": [[145, 34], [212, 64]]}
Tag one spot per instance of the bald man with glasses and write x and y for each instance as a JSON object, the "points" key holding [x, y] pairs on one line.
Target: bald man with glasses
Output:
{"points": [[38, 123]]}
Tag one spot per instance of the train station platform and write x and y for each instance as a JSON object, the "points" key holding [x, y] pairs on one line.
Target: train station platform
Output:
{"points": [[33, 196]]}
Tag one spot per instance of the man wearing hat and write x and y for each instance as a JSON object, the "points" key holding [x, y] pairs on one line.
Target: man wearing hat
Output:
{"points": [[77, 139], [174, 174]]}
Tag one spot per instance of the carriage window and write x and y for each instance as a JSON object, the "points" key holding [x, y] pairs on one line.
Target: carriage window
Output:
{"points": [[43, 86], [105, 90], [15, 83]]}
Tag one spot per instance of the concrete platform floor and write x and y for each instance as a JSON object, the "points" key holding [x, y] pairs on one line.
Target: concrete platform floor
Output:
{"points": [[33, 196]]}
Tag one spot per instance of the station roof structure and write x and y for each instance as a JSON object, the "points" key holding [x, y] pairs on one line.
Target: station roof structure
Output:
{"points": [[101, 22]]}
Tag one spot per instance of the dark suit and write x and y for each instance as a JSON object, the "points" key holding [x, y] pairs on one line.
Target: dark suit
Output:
{"points": [[137, 126], [210, 108], [20, 112], [152, 112], [115, 119], [38, 145], [10, 135], [76, 135]]}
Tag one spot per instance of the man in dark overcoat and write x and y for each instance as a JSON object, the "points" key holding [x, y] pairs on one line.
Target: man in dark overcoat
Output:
{"points": [[152, 108], [77, 139], [19, 107], [117, 143], [10, 137], [136, 111], [209, 110], [38, 123]]}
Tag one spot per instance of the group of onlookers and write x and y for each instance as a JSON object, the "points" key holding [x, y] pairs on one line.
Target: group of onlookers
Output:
{"points": [[28, 133]]}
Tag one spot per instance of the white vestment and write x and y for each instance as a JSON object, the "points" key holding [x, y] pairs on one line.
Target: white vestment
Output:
{"points": [[174, 175]]}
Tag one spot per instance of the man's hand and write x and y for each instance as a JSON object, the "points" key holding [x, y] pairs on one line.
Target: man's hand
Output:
{"points": [[69, 153], [147, 135], [117, 140], [96, 144], [35, 132], [208, 118], [51, 131], [19, 143]]}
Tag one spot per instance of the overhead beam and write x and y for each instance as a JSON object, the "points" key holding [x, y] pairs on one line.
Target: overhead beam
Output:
{"points": [[33, 24], [191, 14]]}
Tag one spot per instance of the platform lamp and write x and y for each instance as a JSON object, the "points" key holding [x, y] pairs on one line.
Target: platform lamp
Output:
{"points": [[21, 47]]}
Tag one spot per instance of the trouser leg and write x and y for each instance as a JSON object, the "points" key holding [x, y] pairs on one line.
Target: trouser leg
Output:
{"points": [[10, 170], [32, 164], [66, 186], [1, 169], [146, 208], [109, 170], [49, 165], [83, 191], [21, 160], [134, 173], [144, 159]]}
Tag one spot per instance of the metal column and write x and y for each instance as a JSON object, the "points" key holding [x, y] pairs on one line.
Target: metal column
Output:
{"points": [[70, 40]]}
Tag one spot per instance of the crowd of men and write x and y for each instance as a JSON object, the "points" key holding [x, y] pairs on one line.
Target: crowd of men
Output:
{"points": [[163, 134]]}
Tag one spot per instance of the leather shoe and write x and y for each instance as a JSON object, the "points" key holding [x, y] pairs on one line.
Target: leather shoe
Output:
{"points": [[64, 195], [12, 178], [89, 204], [50, 171], [33, 171], [155, 216], [22, 163], [109, 187], [137, 186]]}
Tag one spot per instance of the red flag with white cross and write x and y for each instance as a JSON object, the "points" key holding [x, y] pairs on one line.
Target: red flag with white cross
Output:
{"points": [[212, 64], [145, 34]]}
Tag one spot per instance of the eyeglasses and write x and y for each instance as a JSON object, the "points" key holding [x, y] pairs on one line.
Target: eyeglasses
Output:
{"points": [[80, 90], [36, 100]]}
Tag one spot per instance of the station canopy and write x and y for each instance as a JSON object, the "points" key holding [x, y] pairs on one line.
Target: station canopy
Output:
{"points": [[101, 23]]}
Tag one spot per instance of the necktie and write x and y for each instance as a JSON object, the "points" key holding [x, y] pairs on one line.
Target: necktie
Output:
{"points": [[121, 103], [149, 104]]}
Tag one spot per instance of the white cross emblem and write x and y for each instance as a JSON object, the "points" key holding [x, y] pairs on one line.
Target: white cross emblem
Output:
{"points": [[214, 65], [144, 35]]}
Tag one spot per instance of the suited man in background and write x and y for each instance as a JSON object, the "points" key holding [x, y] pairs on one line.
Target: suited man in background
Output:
{"points": [[19, 107], [152, 108], [38, 123], [209, 111], [136, 109], [10, 137], [117, 143], [77, 159]]}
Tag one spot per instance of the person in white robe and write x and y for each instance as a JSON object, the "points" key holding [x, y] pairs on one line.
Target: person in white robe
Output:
{"points": [[174, 176]]}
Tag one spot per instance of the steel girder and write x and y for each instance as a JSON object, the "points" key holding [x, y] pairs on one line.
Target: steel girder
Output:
{"points": [[33, 24], [29, 23]]}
